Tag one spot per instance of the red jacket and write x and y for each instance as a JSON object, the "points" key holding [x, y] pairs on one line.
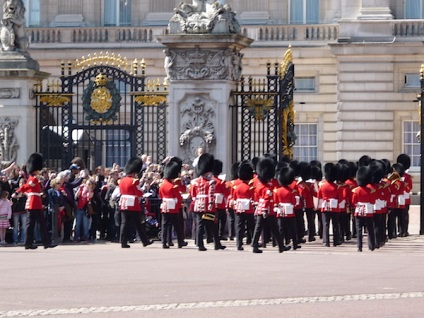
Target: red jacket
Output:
{"points": [[264, 196], [243, 195], [408, 187], [171, 197], [306, 191], [130, 194], [221, 194], [32, 189], [285, 201], [202, 192], [363, 199], [329, 197]]}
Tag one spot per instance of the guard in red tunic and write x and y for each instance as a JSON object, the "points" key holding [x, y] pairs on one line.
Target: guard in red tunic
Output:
{"points": [[169, 192], [130, 203], [405, 160], [306, 191], [202, 192], [230, 201], [221, 196], [34, 206], [264, 196], [243, 195], [363, 198]]}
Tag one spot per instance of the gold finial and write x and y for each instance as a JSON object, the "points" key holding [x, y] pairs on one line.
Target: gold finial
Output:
{"points": [[101, 80]]}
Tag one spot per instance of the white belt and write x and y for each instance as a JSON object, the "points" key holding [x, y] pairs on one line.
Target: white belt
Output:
{"points": [[127, 200], [200, 196], [34, 193]]}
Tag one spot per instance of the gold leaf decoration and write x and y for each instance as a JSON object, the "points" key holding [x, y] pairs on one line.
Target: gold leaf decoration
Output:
{"points": [[55, 100]]}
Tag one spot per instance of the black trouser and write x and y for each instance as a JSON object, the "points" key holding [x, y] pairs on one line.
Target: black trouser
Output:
{"points": [[169, 220], [222, 222], [34, 216], [288, 230], [391, 223], [271, 222], [231, 230], [243, 221], [310, 217], [320, 226], [201, 225], [128, 219], [104, 222], [368, 222], [300, 224], [334, 217], [379, 229], [401, 216], [344, 225]]}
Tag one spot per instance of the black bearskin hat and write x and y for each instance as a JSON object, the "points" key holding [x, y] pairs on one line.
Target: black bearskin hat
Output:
{"points": [[35, 163], [378, 170], [331, 172], [217, 167], [387, 165], [171, 170], [178, 161], [364, 161], [265, 169], [205, 164], [316, 173], [343, 172], [399, 168], [245, 171], [305, 170], [363, 176], [285, 176], [405, 160], [352, 167], [133, 165], [234, 170], [295, 165], [316, 163]]}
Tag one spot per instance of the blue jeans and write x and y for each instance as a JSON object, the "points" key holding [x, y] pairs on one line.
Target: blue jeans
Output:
{"points": [[81, 225], [19, 233]]}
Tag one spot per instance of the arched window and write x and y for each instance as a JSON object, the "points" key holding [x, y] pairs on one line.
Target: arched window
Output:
{"points": [[304, 11], [117, 12]]}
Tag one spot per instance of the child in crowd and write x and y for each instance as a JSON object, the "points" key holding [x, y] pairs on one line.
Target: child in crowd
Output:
{"points": [[5, 215]]}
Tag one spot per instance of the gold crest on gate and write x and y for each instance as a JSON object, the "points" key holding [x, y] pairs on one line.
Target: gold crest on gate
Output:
{"points": [[101, 98]]}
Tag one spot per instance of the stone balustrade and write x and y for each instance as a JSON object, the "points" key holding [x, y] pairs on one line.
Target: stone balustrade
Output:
{"points": [[260, 33]]}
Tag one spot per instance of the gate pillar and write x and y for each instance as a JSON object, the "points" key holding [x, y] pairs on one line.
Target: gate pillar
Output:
{"points": [[203, 61], [18, 74]]}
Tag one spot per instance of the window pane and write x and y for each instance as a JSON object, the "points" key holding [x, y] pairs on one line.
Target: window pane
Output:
{"points": [[124, 12], [411, 145], [110, 12], [305, 84], [296, 11], [312, 11], [412, 80], [412, 9], [306, 147]]}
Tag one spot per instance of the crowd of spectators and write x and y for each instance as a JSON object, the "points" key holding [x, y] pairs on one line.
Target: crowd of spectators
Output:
{"points": [[79, 205]]}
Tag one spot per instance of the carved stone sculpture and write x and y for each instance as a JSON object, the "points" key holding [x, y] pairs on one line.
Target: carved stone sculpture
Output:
{"points": [[12, 32], [208, 64], [8, 141], [198, 129], [203, 16]]}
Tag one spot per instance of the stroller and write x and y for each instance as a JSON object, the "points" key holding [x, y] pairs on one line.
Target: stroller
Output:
{"points": [[153, 228]]}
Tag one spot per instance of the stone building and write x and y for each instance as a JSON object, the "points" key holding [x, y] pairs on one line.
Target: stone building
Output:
{"points": [[357, 61]]}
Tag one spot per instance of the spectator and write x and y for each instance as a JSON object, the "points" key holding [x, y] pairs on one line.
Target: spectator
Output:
{"points": [[56, 207], [84, 194], [5, 215], [19, 215]]}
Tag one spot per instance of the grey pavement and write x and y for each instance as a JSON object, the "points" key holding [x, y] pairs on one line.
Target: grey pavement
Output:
{"points": [[103, 280]]}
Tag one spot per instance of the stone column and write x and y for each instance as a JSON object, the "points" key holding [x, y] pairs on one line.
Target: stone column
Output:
{"points": [[202, 69], [18, 74], [375, 10]]}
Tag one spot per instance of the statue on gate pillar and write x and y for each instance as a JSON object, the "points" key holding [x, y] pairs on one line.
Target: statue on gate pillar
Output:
{"points": [[12, 32]]}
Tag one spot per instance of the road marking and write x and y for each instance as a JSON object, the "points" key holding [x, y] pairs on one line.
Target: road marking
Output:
{"points": [[212, 304]]}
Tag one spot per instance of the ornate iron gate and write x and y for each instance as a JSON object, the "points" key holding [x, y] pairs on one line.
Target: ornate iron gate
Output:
{"points": [[101, 113], [263, 113]]}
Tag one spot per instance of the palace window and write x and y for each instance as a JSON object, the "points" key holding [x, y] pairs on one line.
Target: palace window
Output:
{"points": [[305, 84], [304, 11], [412, 80], [414, 9], [32, 13], [117, 12], [411, 144], [306, 146]]}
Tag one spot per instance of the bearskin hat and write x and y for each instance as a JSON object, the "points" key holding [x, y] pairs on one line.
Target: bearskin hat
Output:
{"points": [[35, 163], [133, 165], [171, 170], [363, 176], [388, 166], [265, 169], [364, 161], [405, 160], [285, 176], [205, 164], [343, 172], [245, 171], [378, 170], [352, 168], [316, 163], [316, 173], [399, 168], [305, 170], [217, 167], [255, 161], [331, 172], [295, 165], [178, 161], [234, 170]]}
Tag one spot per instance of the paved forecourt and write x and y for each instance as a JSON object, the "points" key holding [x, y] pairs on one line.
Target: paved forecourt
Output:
{"points": [[103, 280]]}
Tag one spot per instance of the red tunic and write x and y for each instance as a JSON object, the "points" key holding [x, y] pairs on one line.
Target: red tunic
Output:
{"points": [[32, 189], [306, 191], [202, 192], [264, 196], [408, 188], [230, 185], [285, 201], [329, 197], [130, 194], [363, 199], [243, 194], [299, 203], [221, 194], [171, 197]]}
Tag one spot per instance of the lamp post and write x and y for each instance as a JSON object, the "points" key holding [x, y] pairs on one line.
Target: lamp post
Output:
{"points": [[421, 100]]}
